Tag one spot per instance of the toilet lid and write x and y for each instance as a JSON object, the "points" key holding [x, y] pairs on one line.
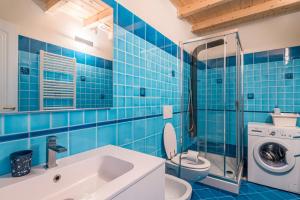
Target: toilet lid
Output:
{"points": [[170, 142], [201, 164]]}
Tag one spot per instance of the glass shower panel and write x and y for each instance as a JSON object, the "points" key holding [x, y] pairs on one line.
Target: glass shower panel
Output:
{"points": [[213, 95], [230, 107], [215, 102]]}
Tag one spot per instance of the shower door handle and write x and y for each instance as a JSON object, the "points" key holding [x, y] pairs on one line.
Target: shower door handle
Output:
{"points": [[237, 105]]}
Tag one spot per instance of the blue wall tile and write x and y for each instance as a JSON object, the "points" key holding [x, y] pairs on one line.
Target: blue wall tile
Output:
{"points": [[125, 18], [100, 62], [60, 119], [139, 27], [43, 120], [101, 115], [90, 116], [150, 34], [15, 123], [90, 60], [36, 46], [276, 55], [38, 146], [151, 144], [54, 49], [248, 59], [140, 146], [294, 52], [80, 57], [68, 53], [160, 40], [125, 133], [76, 118], [139, 131], [107, 135], [261, 57], [23, 43], [82, 140]]}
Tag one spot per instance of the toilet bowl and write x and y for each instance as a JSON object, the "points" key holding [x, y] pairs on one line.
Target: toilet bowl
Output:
{"points": [[189, 169], [177, 189]]}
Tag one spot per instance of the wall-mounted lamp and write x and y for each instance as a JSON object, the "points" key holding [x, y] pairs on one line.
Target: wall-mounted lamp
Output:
{"points": [[286, 56], [84, 41]]}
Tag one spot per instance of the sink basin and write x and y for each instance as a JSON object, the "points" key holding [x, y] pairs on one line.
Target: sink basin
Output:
{"points": [[285, 119], [111, 168], [98, 174]]}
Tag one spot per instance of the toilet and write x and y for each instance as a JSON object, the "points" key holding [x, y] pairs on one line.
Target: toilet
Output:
{"points": [[177, 189], [193, 167]]}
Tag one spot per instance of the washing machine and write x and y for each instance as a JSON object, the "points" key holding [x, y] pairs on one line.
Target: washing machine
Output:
{"points": [[274, 156]]}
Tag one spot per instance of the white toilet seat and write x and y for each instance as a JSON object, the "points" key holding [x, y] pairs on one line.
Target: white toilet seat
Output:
{"points": [[202, 163], [192, 167], [171, 151]]}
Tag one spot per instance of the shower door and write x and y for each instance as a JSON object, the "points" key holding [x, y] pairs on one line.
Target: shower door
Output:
{"points": [[215, 93]]}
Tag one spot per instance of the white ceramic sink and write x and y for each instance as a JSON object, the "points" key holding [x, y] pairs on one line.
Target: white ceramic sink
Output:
{"points": [[111, 168], [285, 119], [94, 175]]}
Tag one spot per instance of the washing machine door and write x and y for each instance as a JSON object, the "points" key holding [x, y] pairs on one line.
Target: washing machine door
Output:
{"points": [[274, 155]]}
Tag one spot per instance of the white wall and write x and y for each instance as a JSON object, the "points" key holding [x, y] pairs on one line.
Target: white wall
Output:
{"points": [[162, 15], [57, 28], [271, 33], [265, 34]]}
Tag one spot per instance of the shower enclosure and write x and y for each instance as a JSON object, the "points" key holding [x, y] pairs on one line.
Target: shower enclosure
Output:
{"points": [[212, 105]]}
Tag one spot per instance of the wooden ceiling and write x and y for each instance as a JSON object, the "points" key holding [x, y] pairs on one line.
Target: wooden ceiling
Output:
{"points": [[210, 15], [92, 13]]}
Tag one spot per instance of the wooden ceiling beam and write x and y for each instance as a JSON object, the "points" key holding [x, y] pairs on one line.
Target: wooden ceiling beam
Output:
{"points": [[52, 5], [267, 8], [91, 21], [198, 6]]}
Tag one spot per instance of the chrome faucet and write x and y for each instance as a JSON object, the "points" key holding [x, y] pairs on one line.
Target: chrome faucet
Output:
{"points": [[52, 149]]}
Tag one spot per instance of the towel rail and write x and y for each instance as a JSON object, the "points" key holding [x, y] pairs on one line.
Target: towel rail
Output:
{"points": [[57, 81]]}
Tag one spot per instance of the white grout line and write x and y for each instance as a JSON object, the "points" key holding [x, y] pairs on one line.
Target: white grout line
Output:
{"points": [[68, 134], [96, 129], [2, 124], [28, 129]]}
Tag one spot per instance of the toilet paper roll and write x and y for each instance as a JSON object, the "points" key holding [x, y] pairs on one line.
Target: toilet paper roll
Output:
{"points": [[192, 155]]}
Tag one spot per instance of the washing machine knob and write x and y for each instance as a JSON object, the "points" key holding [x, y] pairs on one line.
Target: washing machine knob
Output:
{"points": [[273, 133]]}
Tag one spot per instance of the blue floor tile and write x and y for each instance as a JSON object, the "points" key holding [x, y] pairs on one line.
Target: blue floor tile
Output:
{"points": [[248, 191]]}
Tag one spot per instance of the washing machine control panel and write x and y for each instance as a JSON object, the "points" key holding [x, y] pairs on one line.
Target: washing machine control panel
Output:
{"points": [[268, 130]]}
